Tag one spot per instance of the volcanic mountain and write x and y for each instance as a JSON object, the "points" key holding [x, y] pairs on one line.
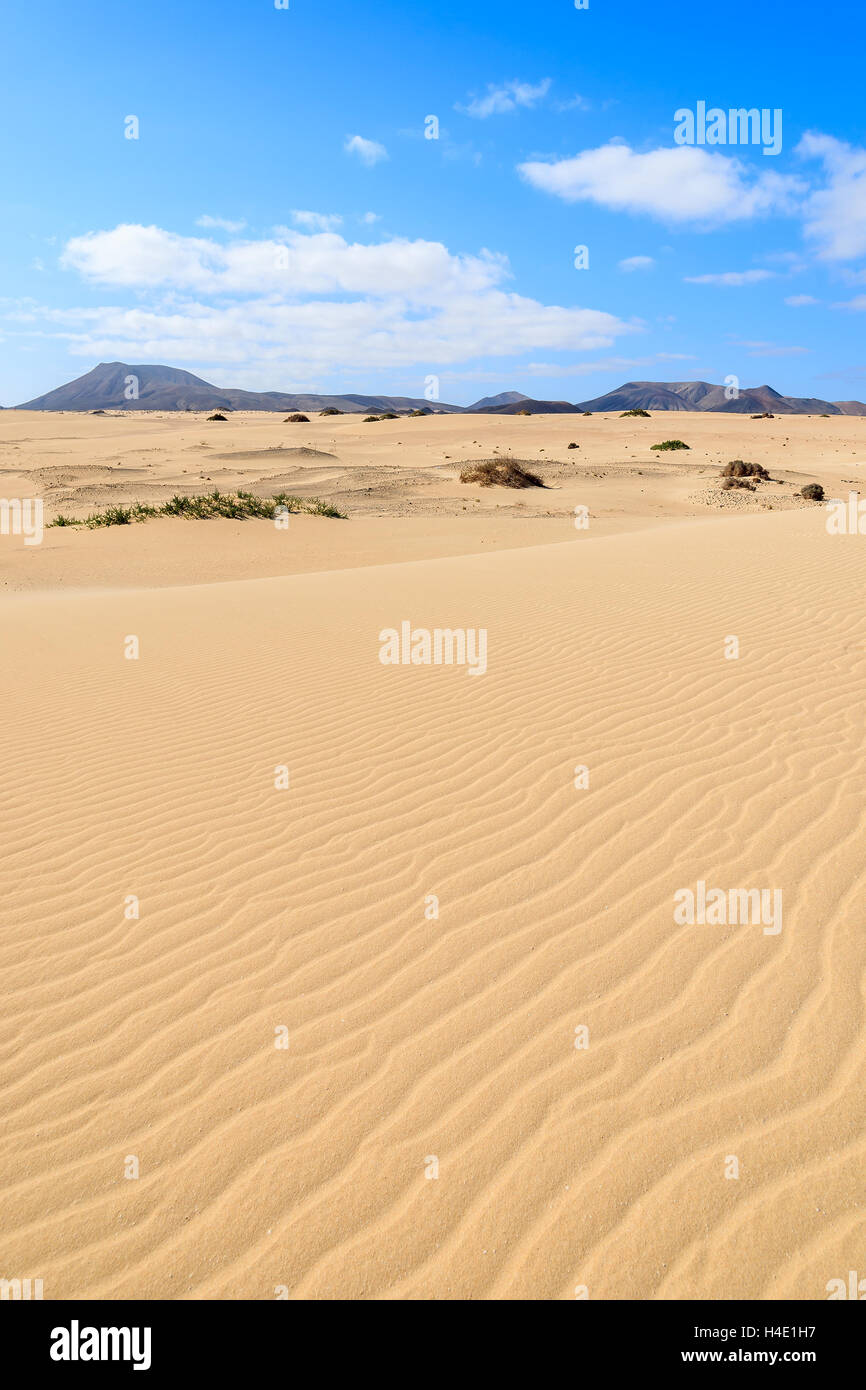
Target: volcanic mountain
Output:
{"points": [[108, 386]]}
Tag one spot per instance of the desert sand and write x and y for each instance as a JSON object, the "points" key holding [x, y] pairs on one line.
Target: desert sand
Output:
{"points": [[431, 908]]}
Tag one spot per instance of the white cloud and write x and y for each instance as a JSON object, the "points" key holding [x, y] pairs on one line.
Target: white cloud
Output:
{"points": [[731, 277], [799, 301], [499, 100], [835, 216], [293, 263], [682, 184], [637, 263], [369, 152], [369, 218], [771, 350], [220, 223], [317, 221], [400, 303], [575, 103]]}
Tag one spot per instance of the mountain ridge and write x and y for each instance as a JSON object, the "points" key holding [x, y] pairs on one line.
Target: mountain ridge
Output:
{"points": [[174, 389]]}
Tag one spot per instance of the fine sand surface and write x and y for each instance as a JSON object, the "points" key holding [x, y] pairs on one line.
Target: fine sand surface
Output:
{"points": [[415, 1038]]}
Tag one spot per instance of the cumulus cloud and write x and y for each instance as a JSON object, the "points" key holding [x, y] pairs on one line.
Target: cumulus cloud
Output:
{"points": [[292, 262], [499, 100], [681, 184], [310, 304], [369, 152], [799, 301], [731, 277], [637, 263], [220, 223], [835, 215]]}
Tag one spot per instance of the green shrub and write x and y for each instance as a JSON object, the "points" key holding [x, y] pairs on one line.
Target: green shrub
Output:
{"points": [[670, 444], [643, 414]]}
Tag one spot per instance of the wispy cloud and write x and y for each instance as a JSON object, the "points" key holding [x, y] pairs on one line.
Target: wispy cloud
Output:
{"points": [[369, 152], [317, 221], [222, 224], [637, 263], [731, 277], [800, 301], [499, 100]]}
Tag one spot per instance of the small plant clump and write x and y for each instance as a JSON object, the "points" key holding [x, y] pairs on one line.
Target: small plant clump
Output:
{"points": [[500, 472], [236, 506], [738, 469], [331, 410], [389, 415], [670, 444], [587, 412], [766, 416], [738, 482], [415, 414], [524, 412], [216, 416], [297, 420], [642, 414], [574, 446], [813, 492]]}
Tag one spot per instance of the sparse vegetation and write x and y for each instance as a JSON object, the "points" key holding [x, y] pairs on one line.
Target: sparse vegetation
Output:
{"points": [[766, 416], [813, 492], [414, 414], [236, 506], [670, 444], [500, 472], [524, 412], [331, 410], [738, 482], [371, 419], [643, 414], [389, 415], [587, 412], [216, 416], [297, 419], [738, 469], [574, 446]]}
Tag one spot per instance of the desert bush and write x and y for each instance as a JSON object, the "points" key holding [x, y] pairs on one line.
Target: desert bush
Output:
{"points": [[236, 506], [501, 472], [813, 492], [371, 419], [738, 469], [216, 416], [297, 419], [574, 446], [331, 410], [643, 414], [738, 482], [670, 444]]}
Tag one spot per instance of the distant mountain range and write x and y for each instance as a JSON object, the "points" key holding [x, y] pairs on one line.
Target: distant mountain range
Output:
{"points": [[169, 388]]}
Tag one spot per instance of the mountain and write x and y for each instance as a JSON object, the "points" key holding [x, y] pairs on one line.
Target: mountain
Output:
{"points": [[702, 395], [491, 402], [169, 388], [526, 403]]}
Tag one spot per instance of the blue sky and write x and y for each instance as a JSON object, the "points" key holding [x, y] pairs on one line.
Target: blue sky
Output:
{"points": [[281, 221]]}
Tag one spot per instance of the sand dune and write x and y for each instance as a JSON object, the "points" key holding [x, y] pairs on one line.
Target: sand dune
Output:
{"points": [[412, 1039]]}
